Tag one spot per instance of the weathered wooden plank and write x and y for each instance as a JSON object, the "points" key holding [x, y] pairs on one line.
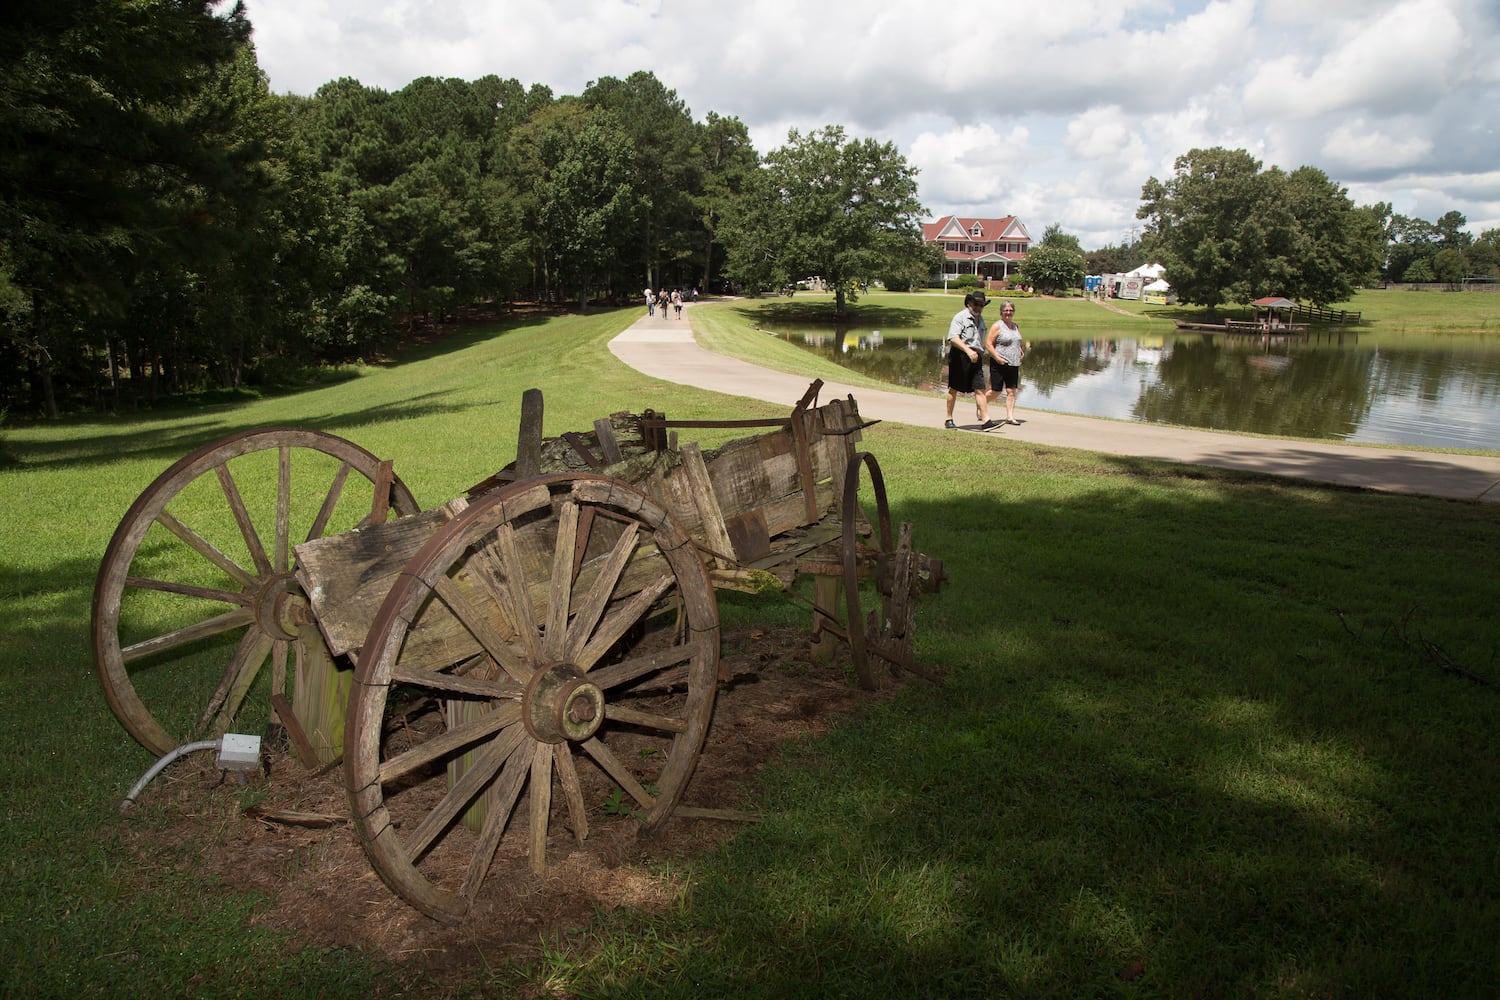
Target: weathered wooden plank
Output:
{"points": [[609, 443], [749, 535], [714, 531], [529, 442], [347, 576]]}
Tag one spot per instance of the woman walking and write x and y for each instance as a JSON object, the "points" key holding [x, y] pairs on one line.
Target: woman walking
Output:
{"points": [[1005, 349]]}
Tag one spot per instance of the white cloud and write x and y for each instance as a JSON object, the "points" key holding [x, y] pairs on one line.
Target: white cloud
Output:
{"points": [[1359, 143], [1052, 112]]}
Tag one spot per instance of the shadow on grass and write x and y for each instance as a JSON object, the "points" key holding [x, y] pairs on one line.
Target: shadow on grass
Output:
{"points": [[186, 433], [822, 314], [1181, 750]]}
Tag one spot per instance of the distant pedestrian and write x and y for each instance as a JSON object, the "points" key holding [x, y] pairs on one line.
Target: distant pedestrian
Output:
{"points": [[1005, 348], [677, 302], [966, 359], [650, 303], [663, 300]]}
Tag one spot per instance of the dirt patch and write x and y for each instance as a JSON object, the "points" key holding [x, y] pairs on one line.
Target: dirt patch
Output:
{"points": [[295, 846]]}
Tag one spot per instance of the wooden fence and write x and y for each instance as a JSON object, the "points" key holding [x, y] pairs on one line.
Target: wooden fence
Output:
{"points": [[1313, 314]]}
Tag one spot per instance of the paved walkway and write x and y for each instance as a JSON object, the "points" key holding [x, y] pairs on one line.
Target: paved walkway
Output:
{"points": [[665, 349]]}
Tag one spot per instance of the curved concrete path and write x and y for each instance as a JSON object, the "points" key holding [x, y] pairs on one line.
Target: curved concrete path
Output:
{"points": [[665, 349]]}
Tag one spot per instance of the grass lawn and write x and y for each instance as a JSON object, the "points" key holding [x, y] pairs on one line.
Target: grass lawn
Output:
{"points": [[1202, 734]]}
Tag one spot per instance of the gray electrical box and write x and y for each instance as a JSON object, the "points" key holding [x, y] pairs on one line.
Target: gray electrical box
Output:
{"points": [[239, 753]]}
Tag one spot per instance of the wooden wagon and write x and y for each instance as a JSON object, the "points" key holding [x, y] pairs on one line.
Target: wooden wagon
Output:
{"points": [[554, 632]]}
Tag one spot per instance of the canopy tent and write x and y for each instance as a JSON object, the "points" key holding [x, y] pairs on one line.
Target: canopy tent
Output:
{"points": [[1157, 286], [1149, 272], [1273, 311]]}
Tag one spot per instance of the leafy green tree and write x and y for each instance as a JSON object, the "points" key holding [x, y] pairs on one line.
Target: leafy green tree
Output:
{"points": [[1451, 232], [1420, 271], [590, 207], [1053, 236], [728, 163], [1484, 255], [669, 234], [1203, 223], [1331, 248], [1114, 259], [1227, 231], [1449, 265], [1053, 268], [102, 160], [1407, 242], [823, 204]]}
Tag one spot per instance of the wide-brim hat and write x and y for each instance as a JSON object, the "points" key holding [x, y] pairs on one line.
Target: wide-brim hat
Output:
{"points": [[977, 296]]}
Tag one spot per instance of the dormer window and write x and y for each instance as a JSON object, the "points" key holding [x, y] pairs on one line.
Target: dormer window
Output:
{"points": [[977, 231]]}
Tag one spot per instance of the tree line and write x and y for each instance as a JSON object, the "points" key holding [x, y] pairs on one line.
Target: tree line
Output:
{"points": [[168, 225]]}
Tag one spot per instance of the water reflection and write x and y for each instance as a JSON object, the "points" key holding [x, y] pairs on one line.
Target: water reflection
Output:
{"points": [[1343, 386]]}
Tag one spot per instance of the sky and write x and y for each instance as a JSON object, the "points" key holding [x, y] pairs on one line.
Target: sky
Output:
{"points": [[1056, 113]]}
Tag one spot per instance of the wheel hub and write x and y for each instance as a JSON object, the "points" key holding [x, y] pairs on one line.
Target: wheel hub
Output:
{"points": [[560, 704], [280, 606]]}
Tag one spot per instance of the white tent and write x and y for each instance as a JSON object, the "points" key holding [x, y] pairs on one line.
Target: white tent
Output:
{"points": [[1150, 272], [1157, 286]]}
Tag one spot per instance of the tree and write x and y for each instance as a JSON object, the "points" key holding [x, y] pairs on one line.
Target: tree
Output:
{"points": [[101, 158], [659, 127], [1053, 268], [728, 162], [1053, 236], [1226, 231], [1407, 242], [1202, 223], [1484, 255], [845, 210]]}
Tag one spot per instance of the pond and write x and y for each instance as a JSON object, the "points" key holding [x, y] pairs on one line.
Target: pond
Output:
{"points": [[1339, 385]]}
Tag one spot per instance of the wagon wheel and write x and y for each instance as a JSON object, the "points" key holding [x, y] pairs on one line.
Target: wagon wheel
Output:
{"points": [[878, 571], [195, 592], [514, 654]]}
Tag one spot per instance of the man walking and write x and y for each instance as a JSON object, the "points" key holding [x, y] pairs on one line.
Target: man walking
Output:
{"points": [[966, 359]]}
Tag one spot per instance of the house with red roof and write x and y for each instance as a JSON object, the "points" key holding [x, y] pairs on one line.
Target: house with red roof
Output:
{"points": [[990, 248]]}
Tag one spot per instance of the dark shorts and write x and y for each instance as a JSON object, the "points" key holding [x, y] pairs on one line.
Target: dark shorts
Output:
{"points": [[1004, 376], [964, 375]]}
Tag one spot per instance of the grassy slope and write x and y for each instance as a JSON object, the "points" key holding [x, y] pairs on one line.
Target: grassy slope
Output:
{"points": [[1197, 738]]}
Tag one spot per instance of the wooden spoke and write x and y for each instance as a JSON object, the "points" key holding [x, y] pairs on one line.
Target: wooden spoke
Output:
{"points": [[879, 578], [452, 742], [560, 592], [507, 791], [497, 645], [455, 684], [217, 625], [640, 666], [597, 599], [200, 545], [617, 770], [567, 774], [233, 686], [516, 596], [242, 518], [464, 791], [542, 567], [167, 653], [330, 502], [188, 590], [282, 561], [621, 619], [541, 804], [661, 723]]}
